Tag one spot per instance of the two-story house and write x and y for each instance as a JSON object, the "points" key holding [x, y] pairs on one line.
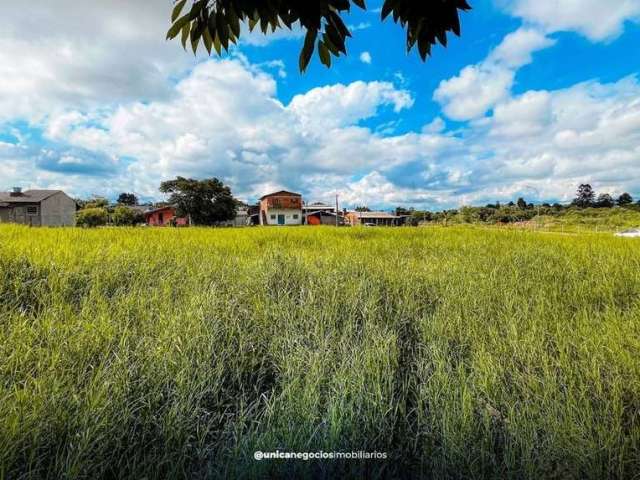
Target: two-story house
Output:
{"points": [[281, 208]]}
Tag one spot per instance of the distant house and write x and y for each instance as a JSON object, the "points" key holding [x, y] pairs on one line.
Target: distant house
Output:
{"points": [[164, 217], [318, 207], [319, 213], [374, 219], [281, 208], [324, 218], [47, 208], [242, 218], [139, 209], [253, 214]]}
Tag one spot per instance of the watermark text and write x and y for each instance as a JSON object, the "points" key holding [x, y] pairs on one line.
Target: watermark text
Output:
{"points": [[319, 455]]}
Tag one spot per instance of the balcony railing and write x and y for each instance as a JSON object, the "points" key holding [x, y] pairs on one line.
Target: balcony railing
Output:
{"points": [[284, 202]]}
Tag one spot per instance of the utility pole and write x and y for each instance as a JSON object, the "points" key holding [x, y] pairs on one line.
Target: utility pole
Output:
{"points": [[337, 209]]}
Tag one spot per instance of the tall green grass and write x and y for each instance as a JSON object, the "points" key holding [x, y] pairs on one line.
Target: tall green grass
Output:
{"points": [[175, 353]]}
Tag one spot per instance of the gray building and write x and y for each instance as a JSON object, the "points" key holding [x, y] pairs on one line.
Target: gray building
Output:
{"points": [[242, 219], [371, 219], [50, 208]]}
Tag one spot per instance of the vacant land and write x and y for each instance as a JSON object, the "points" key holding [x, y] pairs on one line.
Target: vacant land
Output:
{"points": [[590, 219], [175, 353]]}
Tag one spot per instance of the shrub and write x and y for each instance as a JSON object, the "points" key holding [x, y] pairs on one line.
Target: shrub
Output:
{"points": [[125, 216], [91, 217]]}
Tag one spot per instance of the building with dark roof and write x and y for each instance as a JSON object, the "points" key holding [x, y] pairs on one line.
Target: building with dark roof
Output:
{"points": [[374, 219], [49, 208]]}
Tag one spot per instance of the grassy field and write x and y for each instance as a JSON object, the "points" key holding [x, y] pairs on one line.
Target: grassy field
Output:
{"points": [[591, 219], [176, 353], [576, 220]]}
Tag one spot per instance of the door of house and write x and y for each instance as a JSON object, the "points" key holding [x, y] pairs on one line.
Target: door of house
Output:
{"points": [[280, 219]]}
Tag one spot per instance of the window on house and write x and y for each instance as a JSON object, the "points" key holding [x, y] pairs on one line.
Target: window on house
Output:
{"points": [[32, 211], [273, 217], [295, 216]]}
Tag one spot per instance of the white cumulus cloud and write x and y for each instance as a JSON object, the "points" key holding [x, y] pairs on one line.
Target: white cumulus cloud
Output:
{"points": [[99, 121], [596, 19], [479, 87]]}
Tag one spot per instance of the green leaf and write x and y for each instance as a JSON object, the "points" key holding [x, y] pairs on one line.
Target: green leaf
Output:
{"points": [[234, 21], [207, 40], [387, 8], [424, 48], [325, 55], [337, 22], [329, 44], [177, 26], [336, 39], [186, 30], [177, 9], [216, 44], [222, 29], [307, 49], [195, 9], [211, 27]]}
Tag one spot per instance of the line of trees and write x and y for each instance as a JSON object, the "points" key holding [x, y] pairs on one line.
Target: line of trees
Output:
{"points": [[205, 202], [586, 198], [99, 211], [520, 210]]}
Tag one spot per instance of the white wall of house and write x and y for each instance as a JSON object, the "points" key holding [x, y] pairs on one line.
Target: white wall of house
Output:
{"points": [[291, 216]]}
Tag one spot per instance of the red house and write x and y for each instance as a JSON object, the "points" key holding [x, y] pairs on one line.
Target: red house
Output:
{"points": [[165, 217]]}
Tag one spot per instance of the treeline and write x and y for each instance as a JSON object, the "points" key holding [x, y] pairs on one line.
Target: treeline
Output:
{"points": [[100, 211], [204, 202], [520, 210]]}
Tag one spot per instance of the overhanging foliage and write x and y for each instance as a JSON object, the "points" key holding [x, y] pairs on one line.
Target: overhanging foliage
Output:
{"points": [[217, 23]]}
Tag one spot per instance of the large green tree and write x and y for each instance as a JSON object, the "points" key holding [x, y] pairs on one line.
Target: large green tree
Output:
{"points": [[604, 201], [205, 202], [624, 199], [127, 199], [217, 23], [585, 196]]}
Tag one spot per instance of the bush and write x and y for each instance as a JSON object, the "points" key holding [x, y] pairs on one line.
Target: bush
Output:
{"points": [[91, 217], [97, 203], [125, 216]]}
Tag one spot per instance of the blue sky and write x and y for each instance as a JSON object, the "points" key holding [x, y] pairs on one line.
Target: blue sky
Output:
{"points": [[533, 99]]}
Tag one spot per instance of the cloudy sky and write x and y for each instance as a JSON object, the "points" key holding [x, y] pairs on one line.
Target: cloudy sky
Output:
{"points": [[536, 97]]}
